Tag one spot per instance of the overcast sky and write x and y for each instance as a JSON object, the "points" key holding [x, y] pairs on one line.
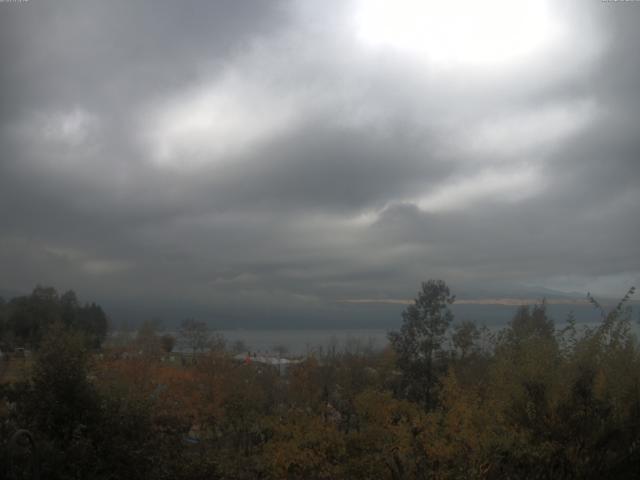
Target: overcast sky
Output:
{"points": [[278, 157]]}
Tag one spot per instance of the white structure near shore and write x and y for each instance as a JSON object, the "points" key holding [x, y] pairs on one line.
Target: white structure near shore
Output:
{"points": [[282, 364]]}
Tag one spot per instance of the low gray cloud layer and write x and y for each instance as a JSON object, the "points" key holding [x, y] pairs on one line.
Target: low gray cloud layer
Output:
{"points": [[265, 159]]}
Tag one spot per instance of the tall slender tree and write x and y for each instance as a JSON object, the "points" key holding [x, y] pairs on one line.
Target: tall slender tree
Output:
{"points": [[419, 341], [195, 334]]}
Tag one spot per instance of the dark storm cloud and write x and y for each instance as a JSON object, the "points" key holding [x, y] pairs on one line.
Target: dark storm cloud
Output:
{"points": [[252, 159]]}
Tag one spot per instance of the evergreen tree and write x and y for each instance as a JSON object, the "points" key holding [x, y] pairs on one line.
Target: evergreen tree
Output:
{"points": [[418, 344]]}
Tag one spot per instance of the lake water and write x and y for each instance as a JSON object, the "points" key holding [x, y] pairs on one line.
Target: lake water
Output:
{"points": [[292, 342], [302, 342]]}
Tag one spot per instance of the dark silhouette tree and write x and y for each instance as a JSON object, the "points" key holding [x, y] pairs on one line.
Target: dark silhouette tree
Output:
{"points": [[61, 402], [419, 341], [167, 342], [29, 317], [147, 338], [465, 337], [195, 334], [532, 322]]}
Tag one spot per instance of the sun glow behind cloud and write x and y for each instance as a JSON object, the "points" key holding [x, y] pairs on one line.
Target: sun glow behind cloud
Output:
{"points": [[216, 121], [361, 142], [543, 126], [502, 186], [463, 32]]}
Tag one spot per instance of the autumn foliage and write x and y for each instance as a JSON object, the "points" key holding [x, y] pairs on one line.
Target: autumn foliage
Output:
{"points": [[529, 401]]}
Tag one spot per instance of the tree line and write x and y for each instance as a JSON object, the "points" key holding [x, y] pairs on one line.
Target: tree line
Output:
{"points": [[24, 320], [445, 400]]}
